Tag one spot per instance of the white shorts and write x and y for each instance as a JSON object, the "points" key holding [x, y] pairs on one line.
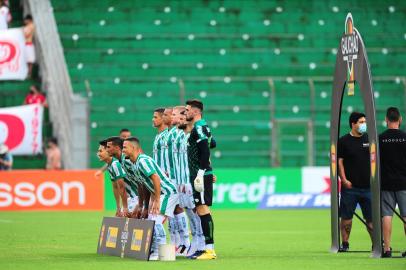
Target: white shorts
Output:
{"points": [[168, 204], [29, 53], [132, 203], [186, 196]]}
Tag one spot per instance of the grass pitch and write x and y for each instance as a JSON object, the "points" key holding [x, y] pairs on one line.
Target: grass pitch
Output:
{"points": [[249, 240]]}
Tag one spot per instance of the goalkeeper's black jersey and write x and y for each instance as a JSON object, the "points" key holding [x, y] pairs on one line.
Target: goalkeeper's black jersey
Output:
{"points": [[199, 134]]}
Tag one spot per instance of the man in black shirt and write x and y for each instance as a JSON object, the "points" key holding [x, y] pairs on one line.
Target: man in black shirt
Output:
{"points": [[201, 174], [354, 171], [392, 144]]}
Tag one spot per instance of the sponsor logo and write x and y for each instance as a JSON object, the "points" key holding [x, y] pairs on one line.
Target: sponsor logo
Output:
{"points": [[50, 190], [46, 194], [349, 50], [136, 240], [111, 241], [274, 201], [241, 193]]}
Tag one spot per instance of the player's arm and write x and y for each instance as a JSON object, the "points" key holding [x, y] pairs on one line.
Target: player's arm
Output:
{"points": [[146, 196], [100, 171], [123, 195], [204, 163], [156, 201], [213, 143], [116, 193]]}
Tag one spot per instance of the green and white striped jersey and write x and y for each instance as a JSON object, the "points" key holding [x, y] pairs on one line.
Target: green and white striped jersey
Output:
{"points": [[115, 170], [131, 180], [158, 148], [181, 168], [169, 161], [145, 166]]}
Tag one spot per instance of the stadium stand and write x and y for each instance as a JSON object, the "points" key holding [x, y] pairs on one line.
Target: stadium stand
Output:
{"points": [[263, 69], [12, 93]]}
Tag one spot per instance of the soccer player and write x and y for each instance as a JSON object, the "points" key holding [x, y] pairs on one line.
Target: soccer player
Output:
{"points": [[124, 134], [201, 174], [141, 209], [159, 141], [185, 188], [115, 147], [164, 196], [177, 172], [354, 170], [392, 144], [117, 175]]}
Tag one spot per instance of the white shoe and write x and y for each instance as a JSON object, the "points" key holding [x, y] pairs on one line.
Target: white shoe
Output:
{"points": [[154, 257], [182, 250]]}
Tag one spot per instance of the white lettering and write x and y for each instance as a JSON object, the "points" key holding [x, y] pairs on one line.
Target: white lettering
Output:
{"points": [[5, 197], [49, 202], [24, 190], [66, 187], [237, 193]]}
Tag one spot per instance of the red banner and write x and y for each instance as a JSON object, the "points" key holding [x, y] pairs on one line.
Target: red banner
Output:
{"points": [[51, 190]]}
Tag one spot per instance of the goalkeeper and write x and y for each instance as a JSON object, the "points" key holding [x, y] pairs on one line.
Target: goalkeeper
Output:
{"points": [[201, 174]]}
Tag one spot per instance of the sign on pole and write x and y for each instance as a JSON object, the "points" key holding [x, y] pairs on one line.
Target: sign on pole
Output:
{"points": [[352, 67]]}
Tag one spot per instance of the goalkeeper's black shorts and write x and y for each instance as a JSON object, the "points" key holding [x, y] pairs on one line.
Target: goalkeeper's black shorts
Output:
{"points": [[205, 197]]}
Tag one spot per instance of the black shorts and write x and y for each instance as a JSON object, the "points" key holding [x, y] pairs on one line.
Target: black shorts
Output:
{"points": [[205, 197]]}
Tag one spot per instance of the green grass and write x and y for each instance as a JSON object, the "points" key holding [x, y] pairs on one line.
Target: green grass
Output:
{"points": [[249, 240]]}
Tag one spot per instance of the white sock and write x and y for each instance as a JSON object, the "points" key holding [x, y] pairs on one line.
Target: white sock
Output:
{"points": [[200, 235], [183, 229], [193, 229], [172, 230], [159, 237]]}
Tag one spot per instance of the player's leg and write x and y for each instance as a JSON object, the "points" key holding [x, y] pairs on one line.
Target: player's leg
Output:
{"points": [[173, 231], [183, 230], [203, 202], [388, 203], [365, 202], [401, 200], [159, 237], [348, 203]]}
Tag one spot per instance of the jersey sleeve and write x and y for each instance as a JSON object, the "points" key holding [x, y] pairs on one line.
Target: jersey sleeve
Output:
{"points": [[118, 171], [146, 167], [201, 135]]}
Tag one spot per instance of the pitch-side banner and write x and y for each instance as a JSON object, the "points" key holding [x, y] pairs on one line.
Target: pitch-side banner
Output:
{"points": [[13, 65], [21, 129], [27, 190]]}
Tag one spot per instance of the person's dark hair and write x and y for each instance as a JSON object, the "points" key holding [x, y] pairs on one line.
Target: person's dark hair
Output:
{"points": [[354, 117], [393, 114], [28, 17], [103, 143], [194, 103], [133, 139], [124, 130], [116, 141], [53, 140], [159, 110]]}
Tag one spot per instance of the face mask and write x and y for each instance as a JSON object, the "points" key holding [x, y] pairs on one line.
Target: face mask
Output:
{"points": [[362, 128]]}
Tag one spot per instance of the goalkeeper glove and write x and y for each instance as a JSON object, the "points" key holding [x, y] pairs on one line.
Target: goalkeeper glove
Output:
{"points": [[199, 181]]}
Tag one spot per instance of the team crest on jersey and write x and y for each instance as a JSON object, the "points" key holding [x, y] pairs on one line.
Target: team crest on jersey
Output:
{"points": [[349, 49]]}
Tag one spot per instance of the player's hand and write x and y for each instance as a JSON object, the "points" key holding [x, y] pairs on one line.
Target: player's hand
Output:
{"points": [[126, 213], [198, 183], [119, 213], [144, 214], [97, 173], [214, 178], [155, 207], [347, 184], [137, 212]]}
